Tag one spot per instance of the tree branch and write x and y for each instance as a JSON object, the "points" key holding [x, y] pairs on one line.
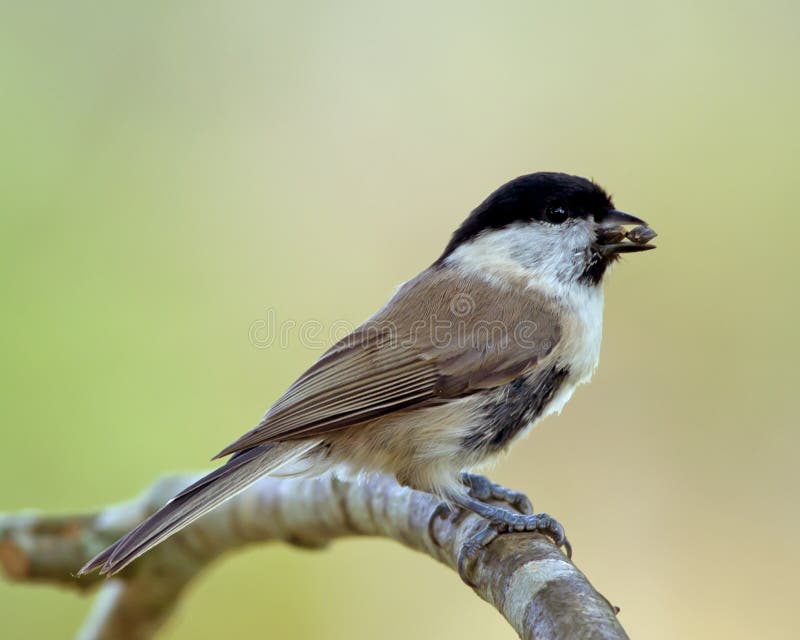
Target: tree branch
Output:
{"points": [[523, 575]]}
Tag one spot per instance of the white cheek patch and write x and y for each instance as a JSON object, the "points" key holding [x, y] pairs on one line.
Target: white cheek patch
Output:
{"points": [[545, 253]]}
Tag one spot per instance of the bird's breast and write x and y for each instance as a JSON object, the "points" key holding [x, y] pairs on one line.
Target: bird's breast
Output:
{"points": [[508, 411], [582, 320]]}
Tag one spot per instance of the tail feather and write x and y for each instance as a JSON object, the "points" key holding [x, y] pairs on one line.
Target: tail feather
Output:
{"points": [[211, 490]]}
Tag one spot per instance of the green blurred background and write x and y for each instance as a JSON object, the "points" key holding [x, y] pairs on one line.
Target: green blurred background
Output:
{"points": [[170, 172]]}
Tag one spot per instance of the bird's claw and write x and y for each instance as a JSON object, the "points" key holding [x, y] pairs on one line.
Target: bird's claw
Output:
{"points": [[470, 551], [540, 522], [443, 511], [508, 522], [483, 489]]}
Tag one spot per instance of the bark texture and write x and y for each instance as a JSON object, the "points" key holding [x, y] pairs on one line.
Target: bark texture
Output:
{"points": [[523, 575]]}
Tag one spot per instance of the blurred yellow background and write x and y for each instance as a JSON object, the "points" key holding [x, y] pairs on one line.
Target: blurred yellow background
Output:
{"points": [[171, 172]]}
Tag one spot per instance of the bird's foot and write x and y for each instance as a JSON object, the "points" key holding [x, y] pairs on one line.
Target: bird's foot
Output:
{"points": [[443, 511], [483, 489], [505, 521]]}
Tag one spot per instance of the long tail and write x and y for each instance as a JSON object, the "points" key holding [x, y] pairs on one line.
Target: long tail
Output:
{"points": [[237, 474]]}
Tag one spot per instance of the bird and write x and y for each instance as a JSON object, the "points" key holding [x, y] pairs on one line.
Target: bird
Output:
{"points": [[456, 367]]}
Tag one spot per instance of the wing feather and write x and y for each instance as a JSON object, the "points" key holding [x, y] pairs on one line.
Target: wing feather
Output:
{"points": [[398, 360]]}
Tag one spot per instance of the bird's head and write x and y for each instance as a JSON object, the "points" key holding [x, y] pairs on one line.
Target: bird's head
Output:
{"points": [[554, 224]]}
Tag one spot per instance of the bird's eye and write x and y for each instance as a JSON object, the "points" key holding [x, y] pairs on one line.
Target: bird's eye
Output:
{"points": [[556, 215]]}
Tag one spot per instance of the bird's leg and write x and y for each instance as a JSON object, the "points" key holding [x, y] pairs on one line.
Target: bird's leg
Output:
{"points": [[483, 489], [504, 521]]}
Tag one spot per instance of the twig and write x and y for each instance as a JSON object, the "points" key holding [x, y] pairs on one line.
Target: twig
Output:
{"points": [[538, 590]]}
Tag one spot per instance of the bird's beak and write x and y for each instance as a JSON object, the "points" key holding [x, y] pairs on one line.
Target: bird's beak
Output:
{"points": [[612, 235], [615, 216]]}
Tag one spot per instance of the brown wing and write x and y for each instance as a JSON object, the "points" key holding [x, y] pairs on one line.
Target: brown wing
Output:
{"points": [[442, 336]]}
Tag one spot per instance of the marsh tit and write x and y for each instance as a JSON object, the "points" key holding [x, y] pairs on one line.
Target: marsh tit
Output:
{"points": [[461, 361]]}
